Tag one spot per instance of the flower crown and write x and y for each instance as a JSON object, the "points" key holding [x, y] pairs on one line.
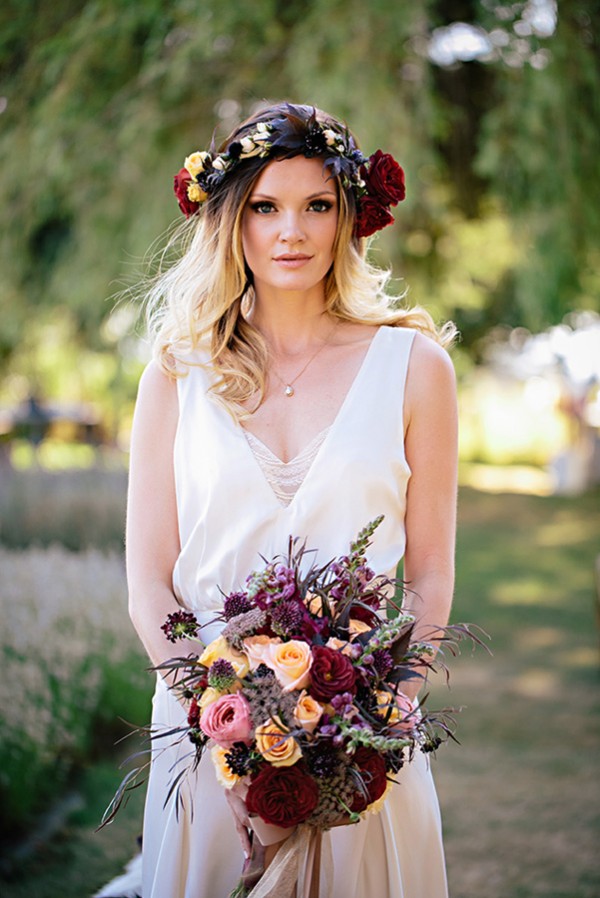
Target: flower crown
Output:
{"points": [[377, 181]]}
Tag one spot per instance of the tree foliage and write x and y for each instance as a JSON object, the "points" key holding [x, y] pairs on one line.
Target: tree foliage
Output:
{"points": [[103, 99]]}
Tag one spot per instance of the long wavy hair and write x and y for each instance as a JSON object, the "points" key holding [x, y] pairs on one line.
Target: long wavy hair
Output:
{"points": [[202, 300]]}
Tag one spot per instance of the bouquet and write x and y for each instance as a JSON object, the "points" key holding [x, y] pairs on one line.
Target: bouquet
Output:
{"points": [[300, 699]]}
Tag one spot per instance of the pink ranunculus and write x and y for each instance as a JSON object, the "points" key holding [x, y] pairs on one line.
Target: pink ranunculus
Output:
{"points": [[227, 720]]}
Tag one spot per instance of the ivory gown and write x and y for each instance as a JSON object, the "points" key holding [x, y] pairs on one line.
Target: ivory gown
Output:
{"points": [[228, 516]]}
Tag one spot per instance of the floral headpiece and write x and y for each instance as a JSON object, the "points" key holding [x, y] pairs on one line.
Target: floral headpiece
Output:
{"points": [[377, 181]]}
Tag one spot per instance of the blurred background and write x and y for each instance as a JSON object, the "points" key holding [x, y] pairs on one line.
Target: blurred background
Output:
{"points": [[493, 108]]}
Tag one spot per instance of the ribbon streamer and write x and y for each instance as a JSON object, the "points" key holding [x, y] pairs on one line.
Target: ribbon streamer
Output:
{"points": [[298, 868]]}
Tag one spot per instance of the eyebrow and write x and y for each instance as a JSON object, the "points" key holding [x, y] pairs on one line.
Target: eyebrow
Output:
{"points": [[313, 196]]}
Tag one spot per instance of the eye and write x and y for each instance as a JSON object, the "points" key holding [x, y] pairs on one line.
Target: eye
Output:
{"points": [[262, 207], [321, 205]]}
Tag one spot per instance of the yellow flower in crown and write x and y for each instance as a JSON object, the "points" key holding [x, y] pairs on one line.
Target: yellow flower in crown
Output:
{"points": [[195, 193], [220, 648], [195, 163]]}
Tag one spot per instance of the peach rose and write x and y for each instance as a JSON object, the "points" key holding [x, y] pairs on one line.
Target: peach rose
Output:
{"points": [[307, 712], [220, 648], [356, 627], [340, 645], [225, 775], [276, 745], [291, 662], [256, 647]]}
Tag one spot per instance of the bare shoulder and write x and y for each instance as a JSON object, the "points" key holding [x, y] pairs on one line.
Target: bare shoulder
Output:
{"points": [[431, 379], [157, 402], [156, 386]]}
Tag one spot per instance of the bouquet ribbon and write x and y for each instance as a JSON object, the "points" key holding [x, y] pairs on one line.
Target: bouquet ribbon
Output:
{"points": [[298, 867]]}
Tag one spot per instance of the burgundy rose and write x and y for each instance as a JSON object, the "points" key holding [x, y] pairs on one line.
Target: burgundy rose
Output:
{"points": [[385, 179], [371, 766], [283, 796], [180, 185], [331, 672], [372, 216]]}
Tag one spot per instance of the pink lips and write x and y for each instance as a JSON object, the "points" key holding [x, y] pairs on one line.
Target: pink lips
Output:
{"points": [[292, 260]]}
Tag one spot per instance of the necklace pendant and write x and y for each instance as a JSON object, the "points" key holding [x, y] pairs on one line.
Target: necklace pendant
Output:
{"points": [[289, 390]]}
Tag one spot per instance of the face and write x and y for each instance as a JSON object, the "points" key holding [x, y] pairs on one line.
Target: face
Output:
{"points": [[289, 226]]}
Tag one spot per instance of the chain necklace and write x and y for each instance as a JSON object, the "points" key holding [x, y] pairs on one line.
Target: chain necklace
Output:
{"points": [[288, 386]]}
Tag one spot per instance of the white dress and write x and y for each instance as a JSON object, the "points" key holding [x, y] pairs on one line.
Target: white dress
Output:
{"points": [[229, 515]]}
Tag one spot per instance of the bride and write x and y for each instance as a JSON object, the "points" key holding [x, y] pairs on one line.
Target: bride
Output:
{"points": [[286, 396]]}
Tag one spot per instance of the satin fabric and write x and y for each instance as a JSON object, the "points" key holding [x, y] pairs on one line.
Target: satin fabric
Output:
{"points": [[229, 517]]}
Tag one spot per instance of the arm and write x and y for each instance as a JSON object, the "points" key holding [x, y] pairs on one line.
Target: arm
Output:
{"points": [[152, 538], [431, 451]]}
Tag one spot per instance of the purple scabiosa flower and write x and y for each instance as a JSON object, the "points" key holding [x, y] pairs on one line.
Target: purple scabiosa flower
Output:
{"points": [[236, 603], [179, 625], [382, 662], [221, 674], [287, 618]]}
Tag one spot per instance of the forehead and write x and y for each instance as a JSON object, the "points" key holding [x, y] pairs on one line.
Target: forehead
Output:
{"points": [[298, 175]]}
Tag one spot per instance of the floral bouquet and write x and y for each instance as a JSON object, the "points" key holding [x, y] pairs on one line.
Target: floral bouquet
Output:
{"points": [[300, 698]]}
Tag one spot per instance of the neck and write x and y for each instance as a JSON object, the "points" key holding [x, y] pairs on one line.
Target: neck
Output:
{"points": [[291, 323]]}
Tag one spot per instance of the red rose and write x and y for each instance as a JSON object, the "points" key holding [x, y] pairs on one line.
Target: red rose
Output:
{"points": [[331, 673], [372, 216], [385, 179], [371, 766], [180, 186], [283, 796]]}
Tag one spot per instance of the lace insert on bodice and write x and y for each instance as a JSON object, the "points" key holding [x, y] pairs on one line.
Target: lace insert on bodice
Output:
{"points": [[285, 478]]}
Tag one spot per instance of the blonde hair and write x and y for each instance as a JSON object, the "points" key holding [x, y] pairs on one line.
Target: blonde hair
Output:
{"points": [[203, 299]]}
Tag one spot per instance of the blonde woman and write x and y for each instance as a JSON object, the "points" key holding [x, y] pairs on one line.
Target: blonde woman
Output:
{"points": [[286, 396]]}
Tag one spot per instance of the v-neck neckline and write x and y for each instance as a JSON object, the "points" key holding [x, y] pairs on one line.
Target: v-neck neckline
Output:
{"points": [[331, 428]]}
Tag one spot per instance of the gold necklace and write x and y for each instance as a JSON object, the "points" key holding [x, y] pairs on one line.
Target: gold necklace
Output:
{"points": [[288, 386]]}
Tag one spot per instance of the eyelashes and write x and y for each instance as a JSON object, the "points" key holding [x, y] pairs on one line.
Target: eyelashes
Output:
{"points": [[265, 207]]}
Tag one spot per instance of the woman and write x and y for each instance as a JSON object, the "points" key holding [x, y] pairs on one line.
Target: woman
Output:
{"points": [[286, 397]]}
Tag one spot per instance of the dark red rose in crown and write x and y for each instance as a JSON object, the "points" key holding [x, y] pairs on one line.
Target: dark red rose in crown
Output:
{"points": [[331, 673], [180, 185], [385, 179], [373, 772], [372, 216], [283, 796]]}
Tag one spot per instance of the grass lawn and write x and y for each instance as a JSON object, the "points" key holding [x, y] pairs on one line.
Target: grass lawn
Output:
{"points": [[521, 795]]}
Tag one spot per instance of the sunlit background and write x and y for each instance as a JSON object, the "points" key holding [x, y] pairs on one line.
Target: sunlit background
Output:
{"points": [[493, 108]]}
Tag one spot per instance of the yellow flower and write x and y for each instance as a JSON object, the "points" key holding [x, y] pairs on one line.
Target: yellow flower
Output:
{"points": [[195, 193], [307, 712], [276, 745], [225, 776], [402, 714], [195, 163], [209, 696], [220, 648]]}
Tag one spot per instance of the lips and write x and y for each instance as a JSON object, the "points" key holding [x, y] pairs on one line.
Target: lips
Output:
{"points": [[292, 260]]}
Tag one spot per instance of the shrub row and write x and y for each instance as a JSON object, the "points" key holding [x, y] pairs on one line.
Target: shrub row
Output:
{"points": [[71, 666]]}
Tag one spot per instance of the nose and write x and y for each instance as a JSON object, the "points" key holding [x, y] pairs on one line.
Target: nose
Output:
{"points": [[291, 229]]}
